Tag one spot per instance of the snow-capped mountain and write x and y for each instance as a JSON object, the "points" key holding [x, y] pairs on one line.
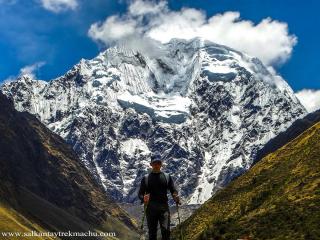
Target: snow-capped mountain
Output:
{"points": [[205, 107]]}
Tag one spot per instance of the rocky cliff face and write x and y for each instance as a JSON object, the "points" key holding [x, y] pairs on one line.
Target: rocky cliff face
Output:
{"points": [[43, 180], [205, 107]]}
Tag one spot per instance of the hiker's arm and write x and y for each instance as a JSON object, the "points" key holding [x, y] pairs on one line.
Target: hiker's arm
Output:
{"points": [[142, 190], [174, 191], [172, 187]]}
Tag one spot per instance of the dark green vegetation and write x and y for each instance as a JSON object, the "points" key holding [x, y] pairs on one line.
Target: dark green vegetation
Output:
{"points": [[44, 186], [278, 198]]}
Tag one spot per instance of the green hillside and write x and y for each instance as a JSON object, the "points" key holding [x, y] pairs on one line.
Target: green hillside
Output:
{"points": [[13, 221], [278, 198]]}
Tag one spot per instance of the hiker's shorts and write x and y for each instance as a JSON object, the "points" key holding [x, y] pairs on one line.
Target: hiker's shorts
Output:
{"points": [[155, 213]]}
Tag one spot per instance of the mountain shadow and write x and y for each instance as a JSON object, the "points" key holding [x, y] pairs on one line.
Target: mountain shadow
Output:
{"points": [[45, 187]]}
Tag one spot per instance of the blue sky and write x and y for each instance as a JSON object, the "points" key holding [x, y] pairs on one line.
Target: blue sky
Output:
{"points": [[57, 37]]}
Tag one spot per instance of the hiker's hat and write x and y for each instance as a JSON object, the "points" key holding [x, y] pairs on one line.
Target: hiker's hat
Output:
{"points": [[156, 157]]}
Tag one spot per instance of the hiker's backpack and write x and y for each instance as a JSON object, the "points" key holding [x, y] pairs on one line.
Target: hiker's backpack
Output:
{"points": [[166, 175]]}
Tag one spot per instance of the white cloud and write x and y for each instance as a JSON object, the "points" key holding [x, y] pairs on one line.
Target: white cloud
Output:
{"points": [[268, 40], [59, 5], [113, 29], [29, 70], [310, 99], [139, 7]]}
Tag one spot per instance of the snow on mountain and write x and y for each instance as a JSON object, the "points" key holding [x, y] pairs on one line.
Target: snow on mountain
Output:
{"points": [[205, 107]]}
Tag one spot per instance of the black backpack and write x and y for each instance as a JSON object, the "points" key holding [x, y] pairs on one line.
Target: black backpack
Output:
{"points": [[166, 175]]}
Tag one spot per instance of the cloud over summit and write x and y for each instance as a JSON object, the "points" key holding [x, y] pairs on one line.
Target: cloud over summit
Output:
{"points": [[310, 98], [269, 40], [29, 70]]}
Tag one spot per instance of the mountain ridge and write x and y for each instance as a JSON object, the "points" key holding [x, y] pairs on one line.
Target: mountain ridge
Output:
{"points": [[297, 127], [205, 107]]}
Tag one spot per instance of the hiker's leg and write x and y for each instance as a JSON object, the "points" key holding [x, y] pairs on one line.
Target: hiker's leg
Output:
{"points": [[152, 221], [165, 224]]}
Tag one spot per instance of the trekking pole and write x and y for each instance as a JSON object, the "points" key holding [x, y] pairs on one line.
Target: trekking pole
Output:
{"points": [[144, 215], [142, 237], [181, 235]]}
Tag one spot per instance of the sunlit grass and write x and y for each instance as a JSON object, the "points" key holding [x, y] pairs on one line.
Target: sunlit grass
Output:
{"points": [[278, 198]]}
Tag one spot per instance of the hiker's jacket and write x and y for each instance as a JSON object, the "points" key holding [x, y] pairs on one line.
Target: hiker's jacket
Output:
{"points": [[157, 187]]}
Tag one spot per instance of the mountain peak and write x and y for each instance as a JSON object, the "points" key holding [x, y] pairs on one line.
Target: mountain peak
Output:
{"points": [[206, 107], [27, 77]]}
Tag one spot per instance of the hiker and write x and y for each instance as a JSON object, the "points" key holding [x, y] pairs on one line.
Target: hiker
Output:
{"points": [[153, 193]]}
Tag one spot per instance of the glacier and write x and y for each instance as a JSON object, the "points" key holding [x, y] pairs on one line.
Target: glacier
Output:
{"points": [[205, 107]]}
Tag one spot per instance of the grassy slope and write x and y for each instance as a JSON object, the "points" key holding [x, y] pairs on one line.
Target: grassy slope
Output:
{"points": [[36, 214], [278, 198], [13, 221]]}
